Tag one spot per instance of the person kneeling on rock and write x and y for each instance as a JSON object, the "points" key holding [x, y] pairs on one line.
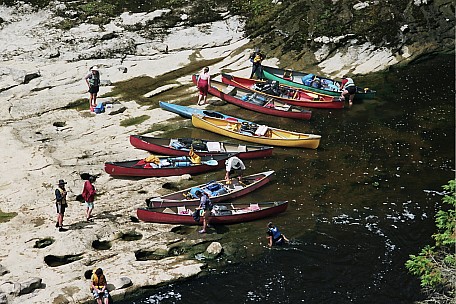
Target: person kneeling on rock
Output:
{"points": [[99, 287]]}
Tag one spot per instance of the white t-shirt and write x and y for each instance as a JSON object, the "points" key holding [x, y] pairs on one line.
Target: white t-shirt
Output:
{"points": [[234, 163]]}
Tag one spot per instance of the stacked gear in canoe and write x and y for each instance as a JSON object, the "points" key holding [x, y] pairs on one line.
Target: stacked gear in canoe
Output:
{"points": [[248, 128]]}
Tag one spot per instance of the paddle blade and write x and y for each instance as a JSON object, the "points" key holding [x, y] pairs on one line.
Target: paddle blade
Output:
{"points": [[211, 162]]}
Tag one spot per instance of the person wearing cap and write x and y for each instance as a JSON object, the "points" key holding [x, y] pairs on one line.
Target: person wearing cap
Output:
{"points": [[93, 82], [274, 236], [234, 166], [348, 87], [88, 194], [206, 206], [60, 203], [99, 287]]}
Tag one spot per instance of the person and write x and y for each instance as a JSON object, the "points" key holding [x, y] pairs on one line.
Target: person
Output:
{"points": [[348, 87], [234, 166], [88, 194], [256, 58], [206, 206], [99, 287], [203, 83], [93, 82], [274, 236], [60, 203]]}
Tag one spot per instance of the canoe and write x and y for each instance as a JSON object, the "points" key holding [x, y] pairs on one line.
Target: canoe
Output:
{"points": [[259, 134], [202, 147], [222, 191], [328, 86], [290, 95], [168, 166], [255, 101], [187, 112], [220, 215]]}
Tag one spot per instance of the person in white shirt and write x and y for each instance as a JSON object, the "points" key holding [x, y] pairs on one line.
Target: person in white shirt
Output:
{"points": [[234, 166]]}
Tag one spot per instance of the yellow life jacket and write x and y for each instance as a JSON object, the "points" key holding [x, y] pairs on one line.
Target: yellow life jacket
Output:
{"points": [[257, 58], [98, 282], [194, 158], [152, 159]]}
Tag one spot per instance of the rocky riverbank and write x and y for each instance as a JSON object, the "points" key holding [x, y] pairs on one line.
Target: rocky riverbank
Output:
{"points": [[49, 134]]}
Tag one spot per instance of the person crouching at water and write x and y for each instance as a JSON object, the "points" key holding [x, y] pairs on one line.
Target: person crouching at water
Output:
{"points": [[348, 87], [93, 82], [234, 166], [274, 236]]}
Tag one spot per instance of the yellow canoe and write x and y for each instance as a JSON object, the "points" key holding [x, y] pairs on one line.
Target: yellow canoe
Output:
{"points": [[258, 134]]}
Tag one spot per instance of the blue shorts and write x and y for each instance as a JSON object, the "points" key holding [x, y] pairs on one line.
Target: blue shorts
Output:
{"points": [[97, 295], [89, 205]]}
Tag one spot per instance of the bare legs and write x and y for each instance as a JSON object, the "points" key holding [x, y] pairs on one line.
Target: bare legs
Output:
{"points": [[203, 97]]}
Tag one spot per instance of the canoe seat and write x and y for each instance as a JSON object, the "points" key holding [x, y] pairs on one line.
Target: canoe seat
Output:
{"points": [[254, 207], [168, 210], [242, 148], [183, 210], [261, 131], [213, 146], [230, 90]]}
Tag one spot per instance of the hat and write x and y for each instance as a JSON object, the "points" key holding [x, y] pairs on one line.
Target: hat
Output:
{"points": [[98, 271], [345, 76], [62, 182], [94, 68], [270, 225]]}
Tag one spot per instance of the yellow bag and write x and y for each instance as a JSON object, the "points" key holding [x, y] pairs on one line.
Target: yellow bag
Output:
{"points": [[152, 159], [194, 158]]}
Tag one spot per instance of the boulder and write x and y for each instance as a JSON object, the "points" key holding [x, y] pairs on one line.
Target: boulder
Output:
{"points": [[3, 298], [213, 251], [122, 282], [30, 285]]}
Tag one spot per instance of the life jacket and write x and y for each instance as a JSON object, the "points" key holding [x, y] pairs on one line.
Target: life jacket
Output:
{"points": [[258, 58], [349, 83], [94, 79], [98, 282], [63, 196], [194, 158], [275, 233]]}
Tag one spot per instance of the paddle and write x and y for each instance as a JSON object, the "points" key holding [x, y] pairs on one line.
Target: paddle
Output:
{"points": [[211, 162]]}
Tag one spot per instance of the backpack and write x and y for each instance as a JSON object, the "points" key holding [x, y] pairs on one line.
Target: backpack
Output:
{"points": [[99, 108]]}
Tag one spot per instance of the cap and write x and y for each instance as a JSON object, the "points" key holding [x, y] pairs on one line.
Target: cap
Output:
{"points": [[94, 68], [62, 182]]}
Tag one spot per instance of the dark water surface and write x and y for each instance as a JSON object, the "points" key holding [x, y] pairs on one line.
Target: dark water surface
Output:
{"points": [[360, 204]]}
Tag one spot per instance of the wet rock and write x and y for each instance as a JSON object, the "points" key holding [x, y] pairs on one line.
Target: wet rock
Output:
{"points": [[42, 243], [28, 77], [213, 251], [122, 282], [30, 285], [121, 110], [3, 270]]}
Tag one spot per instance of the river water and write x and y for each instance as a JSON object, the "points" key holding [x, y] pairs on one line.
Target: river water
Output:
{"points": [[360, 204]]}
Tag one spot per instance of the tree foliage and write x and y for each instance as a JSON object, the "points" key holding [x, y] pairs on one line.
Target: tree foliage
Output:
{"points": [[435, 265]]}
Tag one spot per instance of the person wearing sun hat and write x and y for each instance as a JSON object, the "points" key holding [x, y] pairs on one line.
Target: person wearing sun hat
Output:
{"points": [[60, 203], [93, 82]]}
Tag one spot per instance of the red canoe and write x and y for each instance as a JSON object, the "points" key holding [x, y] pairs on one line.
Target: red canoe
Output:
{"points": [[222, 192], [181, 147], [255, 101], [221, 214], [168, 166], [287, 94]]}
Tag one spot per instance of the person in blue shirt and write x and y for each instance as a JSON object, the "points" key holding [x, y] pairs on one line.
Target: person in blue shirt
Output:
{"points": [[274, 236]]}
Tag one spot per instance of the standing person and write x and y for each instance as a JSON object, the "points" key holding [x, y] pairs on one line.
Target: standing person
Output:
{"points": [[88, 194], [256, 58], [274, 236], [99, 287], [234, 166], [93, 82], [206, 206], [203, 83], [60, 203], [348, 87]]}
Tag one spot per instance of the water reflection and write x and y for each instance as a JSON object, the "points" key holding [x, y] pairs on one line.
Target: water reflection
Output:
{"points": [[360, 204]]}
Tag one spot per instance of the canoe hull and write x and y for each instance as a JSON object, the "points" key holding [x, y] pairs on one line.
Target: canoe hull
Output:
{"points": [[161, 146], [299, 97], [277, 74], [135, 168], [219, 89], [226, 128], [251, 183], [153, 215]]}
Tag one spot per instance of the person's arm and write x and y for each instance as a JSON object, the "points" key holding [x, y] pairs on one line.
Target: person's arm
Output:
{"points": [[209, 81], [269, 240]]}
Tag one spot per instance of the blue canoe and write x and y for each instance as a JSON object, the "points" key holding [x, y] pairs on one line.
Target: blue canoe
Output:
{"points": [[187, 112]]}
